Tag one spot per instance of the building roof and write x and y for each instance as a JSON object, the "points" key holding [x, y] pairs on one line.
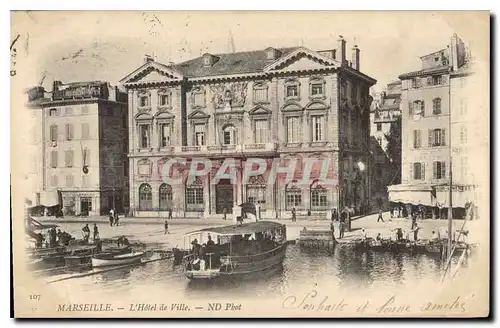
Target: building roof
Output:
{"points": [[427, 71], [433, 53], [229, 63], [395, 82]]}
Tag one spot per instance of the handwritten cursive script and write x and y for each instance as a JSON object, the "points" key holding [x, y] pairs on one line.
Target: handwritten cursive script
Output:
{"points": [[312, 302]]}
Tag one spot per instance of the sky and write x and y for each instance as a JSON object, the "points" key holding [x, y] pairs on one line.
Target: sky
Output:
{"points": [[83, 46]]}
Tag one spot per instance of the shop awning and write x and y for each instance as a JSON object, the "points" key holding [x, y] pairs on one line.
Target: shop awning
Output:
{"points": [[411, 194], [460, 197], [44, 198]]}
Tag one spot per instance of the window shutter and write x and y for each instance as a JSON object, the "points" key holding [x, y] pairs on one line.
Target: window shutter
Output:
{"points": [[411, 172], [429, 80], [434, 170], [422, 103], [419, 138], [443, 170], [415, 139], [53, 159], [430, 138], [443, 137], [410, 109], [422, 172]]}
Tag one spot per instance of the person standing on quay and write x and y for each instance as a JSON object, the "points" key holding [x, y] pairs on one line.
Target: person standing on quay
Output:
{"points": [[294, 216], [380, 216], [111, 217], [224, 212], [170, 213], [332, 230], [116, 218], [166, 228], [341, 227], [96, 232]]}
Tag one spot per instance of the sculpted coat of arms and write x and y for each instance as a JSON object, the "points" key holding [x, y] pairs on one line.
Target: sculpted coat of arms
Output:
{"points": [[231, 94]]}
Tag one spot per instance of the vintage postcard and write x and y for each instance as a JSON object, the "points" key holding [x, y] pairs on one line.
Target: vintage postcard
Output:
{"points": [[250, 164]]}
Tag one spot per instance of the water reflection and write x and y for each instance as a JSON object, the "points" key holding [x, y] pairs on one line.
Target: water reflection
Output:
{"points": [[341, 267]]}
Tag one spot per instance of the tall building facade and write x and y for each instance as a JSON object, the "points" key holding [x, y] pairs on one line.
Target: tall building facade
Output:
{"points": [[385, 144], [433, 104], [80, 141], [290, 104]]}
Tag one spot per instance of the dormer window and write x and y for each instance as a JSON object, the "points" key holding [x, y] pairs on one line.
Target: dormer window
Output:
{"points": [[209, 60], [259, 92], [292, 91], [272, 53]]}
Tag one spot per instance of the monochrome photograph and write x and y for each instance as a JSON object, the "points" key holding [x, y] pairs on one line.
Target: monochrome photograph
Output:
{"points": [[190, 164]]}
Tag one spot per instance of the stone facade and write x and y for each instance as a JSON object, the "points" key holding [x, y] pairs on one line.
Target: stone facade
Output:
{"points": [[81, 132], [286, 104]]}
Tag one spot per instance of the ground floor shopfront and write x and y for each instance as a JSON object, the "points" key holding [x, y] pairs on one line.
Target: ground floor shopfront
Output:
{"points": [[209, 195], [93, 202], [432, 200]]}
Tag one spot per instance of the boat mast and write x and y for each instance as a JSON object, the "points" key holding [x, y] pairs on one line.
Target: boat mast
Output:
{"points": [[450, 194]]}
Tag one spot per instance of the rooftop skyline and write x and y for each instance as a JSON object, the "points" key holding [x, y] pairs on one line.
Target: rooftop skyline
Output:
{"points": [[114, 44]]}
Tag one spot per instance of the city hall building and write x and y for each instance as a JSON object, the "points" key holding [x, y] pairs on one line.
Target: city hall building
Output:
{"points": [[291, 104]]}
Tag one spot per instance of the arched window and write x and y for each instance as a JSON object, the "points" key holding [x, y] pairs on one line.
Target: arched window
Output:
{"points": [[165, 197], [229, 135], [256, 190], [145, 197], [318, 197]]}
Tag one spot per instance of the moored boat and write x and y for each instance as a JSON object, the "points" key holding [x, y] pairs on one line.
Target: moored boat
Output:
{"points": [[102, 260], [236, 251]]}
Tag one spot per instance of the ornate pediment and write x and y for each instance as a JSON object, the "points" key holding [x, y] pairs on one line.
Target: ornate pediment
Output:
{"points": [[302, 59], [143, 117], [198, 114], [152, 72], [291, 107], [229, 94], [164, 114], [259, 110], [317, 104]]}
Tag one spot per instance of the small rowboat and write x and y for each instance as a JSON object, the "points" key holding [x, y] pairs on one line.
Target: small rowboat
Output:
{"points": [[101, 260]]}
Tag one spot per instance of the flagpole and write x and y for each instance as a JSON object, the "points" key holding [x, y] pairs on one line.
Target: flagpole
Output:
{"points": [[450, 192]]}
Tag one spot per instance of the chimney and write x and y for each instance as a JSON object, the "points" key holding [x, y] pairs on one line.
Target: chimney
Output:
{"points": [[341, 57], [355, 57], [148, 58], [55, 85]]}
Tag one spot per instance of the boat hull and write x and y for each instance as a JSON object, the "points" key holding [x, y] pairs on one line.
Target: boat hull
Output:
{"points": [[241, 267], [117, 260]]}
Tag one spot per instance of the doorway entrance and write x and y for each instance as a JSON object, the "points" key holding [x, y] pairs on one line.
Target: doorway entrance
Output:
{"points": [[224, 196], [85, 206]]}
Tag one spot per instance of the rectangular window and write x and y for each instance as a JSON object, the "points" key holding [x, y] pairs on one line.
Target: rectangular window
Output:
{"points": [[199, 100], [437, 138], [143, 101], [414, 83], [292, 91], [437, 80], [417, 138], [418, 171], [436, 106], [379, 126], [53, 158], [145, 135], [379, 140], [293, 199], [260, 95], [53, 133], [164, 135], [318, 198], [69, 131], [318, 127], [439, 170], [69, 181], [68, 158], [261, 131], [293, 129], [54, 181], [199, 134], [164, 100], [316, 89], [463, 106], [194, 196], [463, 135], [85, 131]]}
